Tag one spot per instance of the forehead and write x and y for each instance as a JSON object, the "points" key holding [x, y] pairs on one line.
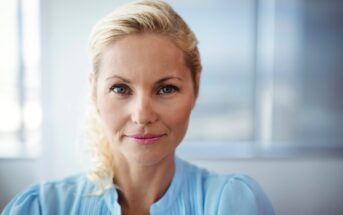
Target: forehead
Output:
{"points": [[147, 54]]}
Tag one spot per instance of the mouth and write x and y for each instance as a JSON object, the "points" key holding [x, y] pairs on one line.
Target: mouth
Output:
{"points": [[145, 139]]}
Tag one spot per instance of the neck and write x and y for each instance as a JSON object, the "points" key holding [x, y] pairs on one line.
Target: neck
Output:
{"points": [[142, 185]]}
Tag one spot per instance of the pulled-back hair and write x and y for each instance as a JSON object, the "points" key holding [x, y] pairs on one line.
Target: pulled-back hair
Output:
{"points": [[144, 16]]}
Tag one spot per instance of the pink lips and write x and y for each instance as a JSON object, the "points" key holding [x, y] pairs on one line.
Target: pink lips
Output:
{"points": [[145, 139]]}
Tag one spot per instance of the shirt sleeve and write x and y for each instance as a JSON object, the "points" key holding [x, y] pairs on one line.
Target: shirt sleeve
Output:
{"points": [[24, 203], [242, 195]]}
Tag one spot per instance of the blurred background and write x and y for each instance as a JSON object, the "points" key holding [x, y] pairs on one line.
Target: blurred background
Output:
{"points": [[270, 103]]}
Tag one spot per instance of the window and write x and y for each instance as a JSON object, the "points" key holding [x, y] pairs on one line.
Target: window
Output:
{"points": [[272, 80], [307, 75], [271, 83], [225, 107], [20, 110]]}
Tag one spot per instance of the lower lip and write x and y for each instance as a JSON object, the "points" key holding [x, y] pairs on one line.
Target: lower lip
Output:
{"points": [[146, 141]]}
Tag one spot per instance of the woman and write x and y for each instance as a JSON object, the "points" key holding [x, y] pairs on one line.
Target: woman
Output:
{"points": [[145, 81]]}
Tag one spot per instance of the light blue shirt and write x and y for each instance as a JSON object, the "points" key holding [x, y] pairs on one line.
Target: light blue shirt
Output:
{"points": [[192, 191]]}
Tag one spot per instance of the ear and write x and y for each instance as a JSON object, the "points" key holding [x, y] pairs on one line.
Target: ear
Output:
{"points": [[197, 82], [90, 77], [92, 84]]}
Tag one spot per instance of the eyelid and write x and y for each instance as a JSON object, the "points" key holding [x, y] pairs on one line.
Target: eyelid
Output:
{"points": [[127, 88], [175, 89]]}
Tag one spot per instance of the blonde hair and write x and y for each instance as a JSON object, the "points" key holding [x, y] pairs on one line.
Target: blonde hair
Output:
{"points": [[145, 16]]}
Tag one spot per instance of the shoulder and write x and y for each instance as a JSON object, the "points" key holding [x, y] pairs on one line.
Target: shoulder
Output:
{"points": [[69, 186], [224, 193], [40, 197], [237, 194], [26, 202]]}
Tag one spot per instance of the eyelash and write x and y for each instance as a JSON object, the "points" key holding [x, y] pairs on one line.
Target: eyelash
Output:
{"points": [[127, 90], [172, 87], [123, 86]]}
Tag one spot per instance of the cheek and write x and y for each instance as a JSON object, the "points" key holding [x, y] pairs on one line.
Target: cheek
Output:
{"points": [[111, 114], [179, 120]]}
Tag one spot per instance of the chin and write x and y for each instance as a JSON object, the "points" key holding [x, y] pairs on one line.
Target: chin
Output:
{"points": [[148, 159]]}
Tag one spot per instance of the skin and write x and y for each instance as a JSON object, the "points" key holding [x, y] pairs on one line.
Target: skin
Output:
{"points": [[143, 87]]}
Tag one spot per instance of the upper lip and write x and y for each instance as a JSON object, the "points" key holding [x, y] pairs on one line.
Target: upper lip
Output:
{"points": [[145, 136]]}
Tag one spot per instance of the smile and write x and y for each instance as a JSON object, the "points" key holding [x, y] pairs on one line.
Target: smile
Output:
{"points": [[145, 139]]}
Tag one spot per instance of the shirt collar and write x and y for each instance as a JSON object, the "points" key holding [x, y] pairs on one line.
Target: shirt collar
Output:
{"points": [[169, 197], [163, 204]]}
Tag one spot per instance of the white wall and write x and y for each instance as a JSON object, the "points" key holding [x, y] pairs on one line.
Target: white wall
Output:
{"points": [[295, 186]]}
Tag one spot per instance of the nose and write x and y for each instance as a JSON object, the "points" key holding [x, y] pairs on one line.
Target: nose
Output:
{"points": [[143, 111]]}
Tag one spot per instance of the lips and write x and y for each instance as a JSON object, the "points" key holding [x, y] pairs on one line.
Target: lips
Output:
{"points": [[145, 139]]}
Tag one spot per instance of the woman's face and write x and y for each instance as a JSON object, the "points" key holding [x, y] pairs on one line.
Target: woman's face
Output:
{"points": [[144, 97]]}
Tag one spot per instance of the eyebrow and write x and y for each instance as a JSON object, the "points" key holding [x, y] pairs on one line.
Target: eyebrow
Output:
{"points": [[168, 78], [158, 82], [119, 77]]}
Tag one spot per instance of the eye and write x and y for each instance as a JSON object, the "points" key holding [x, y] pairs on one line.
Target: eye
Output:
{"points": [[168, 89], [121, 89]]}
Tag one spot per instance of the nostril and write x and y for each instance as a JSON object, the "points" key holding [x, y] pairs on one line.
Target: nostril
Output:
{"points": [[144, 116], [144, 119]]}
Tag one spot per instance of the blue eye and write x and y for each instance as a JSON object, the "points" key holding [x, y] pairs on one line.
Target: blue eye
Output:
{"points": [[168, 89], [120, 89]]}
